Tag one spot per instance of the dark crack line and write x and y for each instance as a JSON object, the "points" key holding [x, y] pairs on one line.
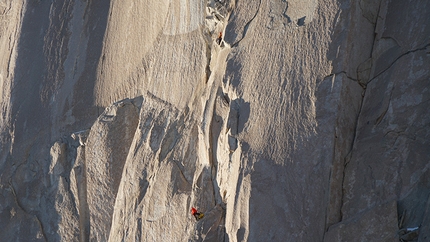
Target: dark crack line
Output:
{"points": [[347, 158], [25, 211], [41, 228], [349, 155], [347, 76], [16, 197], [245, 29], [375, 26], [327, 210], [382, 115], [342, 186], [342, 72], [181, 172], [402, 55]]}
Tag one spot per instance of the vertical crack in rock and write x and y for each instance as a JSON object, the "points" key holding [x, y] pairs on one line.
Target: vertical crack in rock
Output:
{"points": [[208, 60], [213, 226], [385, 165], [344, 92], [377, 121], [363, 71], [375, 23], [348, 156], [362, 80]]}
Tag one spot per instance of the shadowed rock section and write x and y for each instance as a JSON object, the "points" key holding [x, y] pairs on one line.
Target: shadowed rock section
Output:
{"points": [[280, 120]]}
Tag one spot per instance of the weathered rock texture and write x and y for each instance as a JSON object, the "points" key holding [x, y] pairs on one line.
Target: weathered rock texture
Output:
{"points": [[309, 122]]}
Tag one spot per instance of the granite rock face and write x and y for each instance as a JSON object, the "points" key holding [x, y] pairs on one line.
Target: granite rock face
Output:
{"points": [[307, 122]]}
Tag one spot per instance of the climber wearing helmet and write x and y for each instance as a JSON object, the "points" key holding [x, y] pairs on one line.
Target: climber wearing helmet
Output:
{"points": [[196, 214]]}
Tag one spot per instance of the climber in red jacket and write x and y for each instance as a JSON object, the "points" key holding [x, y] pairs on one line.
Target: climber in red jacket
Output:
{"points": [[196, 214], [219, 39]]}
